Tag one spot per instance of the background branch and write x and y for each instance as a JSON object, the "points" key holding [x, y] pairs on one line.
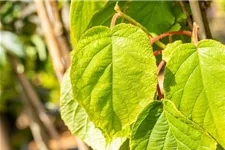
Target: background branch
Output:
{"points": [[36, 126], [60, 31], [4, 134], [203, 7], [52, 43], [35, 101], [187, 14], [196, 12]]}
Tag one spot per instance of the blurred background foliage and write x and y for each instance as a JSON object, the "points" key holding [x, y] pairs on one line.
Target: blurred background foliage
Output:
{"points": [[22, 36]]}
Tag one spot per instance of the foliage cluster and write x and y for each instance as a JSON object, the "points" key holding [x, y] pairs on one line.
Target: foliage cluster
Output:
{"points": [[109, 97]]}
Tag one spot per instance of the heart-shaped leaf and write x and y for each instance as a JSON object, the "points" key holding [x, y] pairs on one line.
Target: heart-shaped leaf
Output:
{"points": [[113, 75], [195, 82]]}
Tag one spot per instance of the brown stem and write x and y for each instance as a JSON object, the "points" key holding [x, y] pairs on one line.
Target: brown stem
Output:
{"points": [[153, 40], [161, 64], [35, 101], [195, 33], [4, 133], [187, 14], [158, 52], [170, 39], [160, 96], [196, 12], [132, 21], [41, 138], [52, 42], [114, 18], [203, 8], [60, 31]]}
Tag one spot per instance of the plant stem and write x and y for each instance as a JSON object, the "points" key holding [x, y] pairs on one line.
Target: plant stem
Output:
{"points": [[125, 9], [161, 64], [158, 52], [194, 38], [153, 40], [114, 18], [40, 136], [60, 31], [160, 96], [117, 9], [170, 39], [35, 101], [52, 43], [4, 133], [187, 14], [203, 8], [196, 12]]}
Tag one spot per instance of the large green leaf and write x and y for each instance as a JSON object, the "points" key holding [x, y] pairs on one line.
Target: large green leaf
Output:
{"points": [[195, 82], [156, 16], [81, 13], [78, 122], [114, 75], [164, 127]]}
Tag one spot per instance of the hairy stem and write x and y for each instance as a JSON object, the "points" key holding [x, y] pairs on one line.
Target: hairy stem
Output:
{"points": [[153, 40], [158, 52], [194, 38], [160, 96], [117, 9], [161, 64], [114, 18]]}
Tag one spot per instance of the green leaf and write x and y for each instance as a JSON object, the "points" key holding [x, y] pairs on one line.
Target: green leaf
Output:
{"points": [[156, 16], [166, 53], [81, 13], [104, 16], [11, 43], [194, 81], [78, 122], [113, 75], [164, 127]]}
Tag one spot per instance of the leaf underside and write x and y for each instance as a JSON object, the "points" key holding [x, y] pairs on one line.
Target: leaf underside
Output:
{"points": [[78, 122]]}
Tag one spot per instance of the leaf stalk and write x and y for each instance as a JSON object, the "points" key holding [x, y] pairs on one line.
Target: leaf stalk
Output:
{"points": [[132, 21]]}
